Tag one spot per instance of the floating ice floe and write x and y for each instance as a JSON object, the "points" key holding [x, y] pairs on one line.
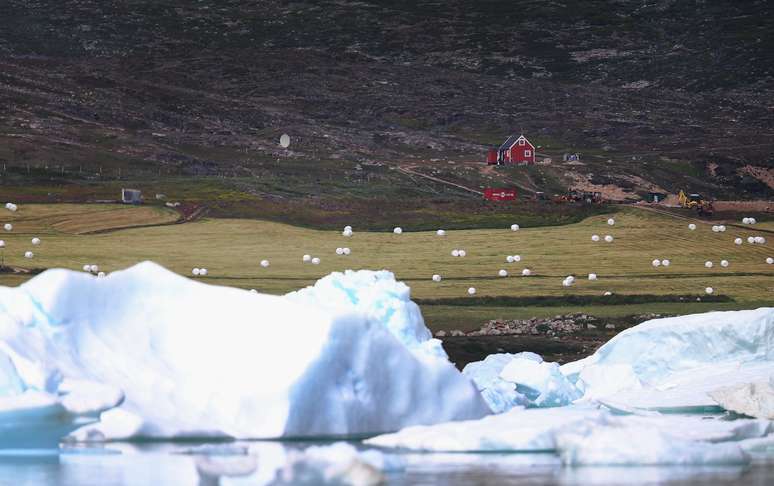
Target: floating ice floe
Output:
{"points": [[671, 364], [349, 356], [590, 436]]}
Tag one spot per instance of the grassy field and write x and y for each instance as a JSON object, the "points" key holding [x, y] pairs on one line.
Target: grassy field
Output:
{"points": [[231, 250]]}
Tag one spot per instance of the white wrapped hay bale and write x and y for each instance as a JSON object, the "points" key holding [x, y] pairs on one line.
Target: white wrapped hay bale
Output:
{"points": [[306, 258], [472, 291], [595, 238], [665, 263], [398, 230], [751, 240], [709, 290], [348, 228], [202, 272], [516, 258], [462, 253], [715, 229], [36, 241], [592, 276], [265, 263], [526, 272], [609, 238], [770, 260], [441, 232], [436, 278], [455, 253], [607, 293], [723, 263], [656, 262], [87, 268], [347, 233], [8, 226], [195, 272], [509, 259], [315, 261], [738, 241], [94, 268], [760, 240], [611, 221], [502, 273], [745, 220], [708, 264], [2, 244], [28, 254], [692, 227], [339, 251], [722, 228], [515, 227], [347, 251]]}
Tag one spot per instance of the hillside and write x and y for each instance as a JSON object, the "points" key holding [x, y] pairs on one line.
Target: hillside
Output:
{"points": [[655, 95]]}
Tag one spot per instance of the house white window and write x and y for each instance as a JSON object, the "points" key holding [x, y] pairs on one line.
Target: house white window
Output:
{"points": [[521, 142], [528, 153]]}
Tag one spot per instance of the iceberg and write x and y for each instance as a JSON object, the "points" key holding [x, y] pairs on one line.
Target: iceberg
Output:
{"points": [[348, 357], [673, 364], [520, 380]]}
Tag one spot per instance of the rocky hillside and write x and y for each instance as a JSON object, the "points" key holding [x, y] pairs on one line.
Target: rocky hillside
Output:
{"points": [[654, 94]]}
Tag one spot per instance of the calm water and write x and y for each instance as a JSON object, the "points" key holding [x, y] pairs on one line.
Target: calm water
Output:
{"points": [[184, 464]]}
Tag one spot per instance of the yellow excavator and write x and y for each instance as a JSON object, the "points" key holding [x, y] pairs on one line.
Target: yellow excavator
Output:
{"points": [[694, 201]]}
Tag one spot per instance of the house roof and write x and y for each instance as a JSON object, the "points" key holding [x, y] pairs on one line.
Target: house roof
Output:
{"points": [[511, 141]]}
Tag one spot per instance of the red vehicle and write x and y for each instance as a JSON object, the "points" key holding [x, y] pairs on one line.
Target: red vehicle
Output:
{"points": [[493, 194]]}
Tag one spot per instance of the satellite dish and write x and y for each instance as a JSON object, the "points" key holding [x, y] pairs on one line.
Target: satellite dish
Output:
{"points": [[285, 140]]}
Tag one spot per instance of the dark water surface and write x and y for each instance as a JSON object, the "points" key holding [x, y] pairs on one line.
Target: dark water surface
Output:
{"points": [[258, 463]]}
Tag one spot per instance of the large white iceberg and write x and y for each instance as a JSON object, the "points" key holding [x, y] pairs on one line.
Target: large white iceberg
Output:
{"points": [[350, 356], [672, 364]]}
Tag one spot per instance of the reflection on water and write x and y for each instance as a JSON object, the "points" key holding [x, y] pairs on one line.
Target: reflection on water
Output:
{"points": [[261, 463]]}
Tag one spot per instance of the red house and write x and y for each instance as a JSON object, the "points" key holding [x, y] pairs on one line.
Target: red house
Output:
{"points": [[515, 150], [493, 194]]}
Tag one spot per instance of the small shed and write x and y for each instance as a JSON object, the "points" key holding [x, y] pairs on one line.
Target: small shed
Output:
{"points": [[131, 196]]}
